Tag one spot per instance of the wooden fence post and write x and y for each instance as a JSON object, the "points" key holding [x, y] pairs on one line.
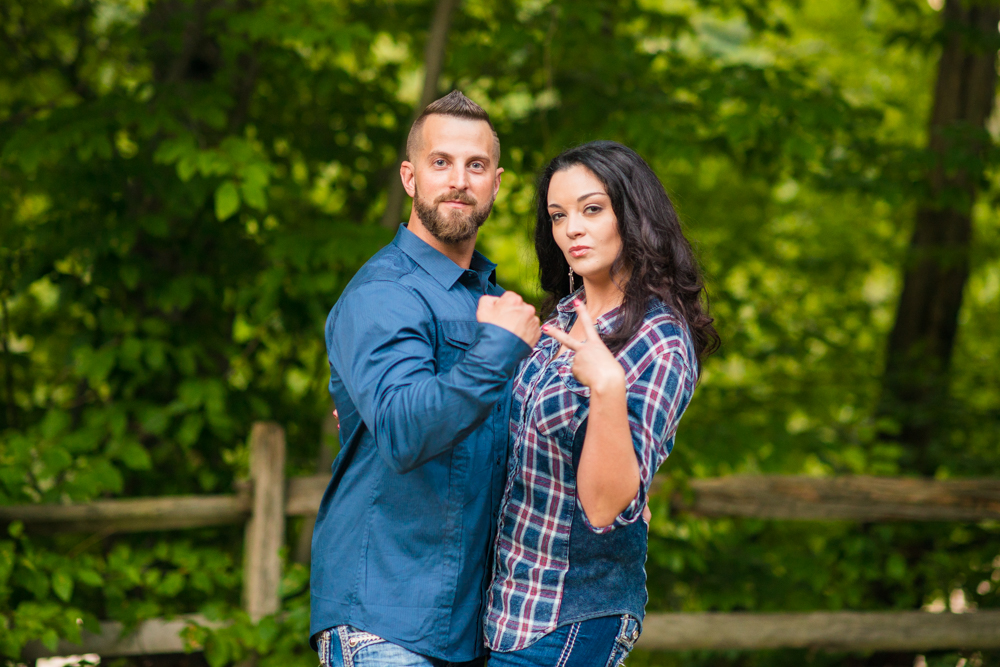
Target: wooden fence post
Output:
{"points": [[328, 445], [265, 532]]}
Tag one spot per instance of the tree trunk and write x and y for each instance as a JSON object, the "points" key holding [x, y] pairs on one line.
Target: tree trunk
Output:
{"points": [[915, 384], [437, 41]]}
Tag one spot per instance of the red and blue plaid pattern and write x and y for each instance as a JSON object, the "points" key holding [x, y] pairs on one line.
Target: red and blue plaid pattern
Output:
{"points": [[532, 547]]}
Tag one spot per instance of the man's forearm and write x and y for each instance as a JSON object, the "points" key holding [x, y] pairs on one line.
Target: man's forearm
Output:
{"points": [[416, 422]]}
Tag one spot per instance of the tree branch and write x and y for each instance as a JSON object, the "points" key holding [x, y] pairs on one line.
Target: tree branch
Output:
{"points": [[434, 53]]}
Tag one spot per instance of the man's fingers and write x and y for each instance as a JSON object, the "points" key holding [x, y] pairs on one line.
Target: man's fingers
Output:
{"points": [[512, 297], [562, 337]]}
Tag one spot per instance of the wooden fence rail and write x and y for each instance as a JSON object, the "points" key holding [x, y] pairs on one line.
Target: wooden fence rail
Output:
{"points": [[268, 497], [833, 631], [829, 630], [788, 497]]}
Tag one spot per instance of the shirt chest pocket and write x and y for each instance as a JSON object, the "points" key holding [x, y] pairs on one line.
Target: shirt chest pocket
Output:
{"points": [[562, 404], [455, 337]]}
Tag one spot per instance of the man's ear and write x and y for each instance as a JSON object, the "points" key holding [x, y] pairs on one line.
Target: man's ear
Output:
{"points": [[496, 182], [408, 176]]}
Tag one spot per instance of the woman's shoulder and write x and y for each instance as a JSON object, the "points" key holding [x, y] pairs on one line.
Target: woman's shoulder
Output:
{"points": [[663, 332]]}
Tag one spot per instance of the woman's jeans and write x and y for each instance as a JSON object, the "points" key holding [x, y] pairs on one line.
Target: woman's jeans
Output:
{"points": [[600, 642], [344, 646]]}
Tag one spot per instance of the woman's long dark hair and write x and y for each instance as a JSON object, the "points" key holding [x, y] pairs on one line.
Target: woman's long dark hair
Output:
{"points": [[655, 257]]}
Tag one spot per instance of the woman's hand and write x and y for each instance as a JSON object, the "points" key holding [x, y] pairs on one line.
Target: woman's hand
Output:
{"points": [[593, 363]]}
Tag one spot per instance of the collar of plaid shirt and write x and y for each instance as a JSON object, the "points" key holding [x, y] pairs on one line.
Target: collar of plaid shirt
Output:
{"points": [[548, 407]]}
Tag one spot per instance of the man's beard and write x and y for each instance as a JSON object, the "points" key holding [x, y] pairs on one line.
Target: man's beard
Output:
{"points": [[454, 226]]}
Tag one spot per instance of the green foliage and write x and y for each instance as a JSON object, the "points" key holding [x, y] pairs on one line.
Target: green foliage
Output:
{"points": [[186, 186]]}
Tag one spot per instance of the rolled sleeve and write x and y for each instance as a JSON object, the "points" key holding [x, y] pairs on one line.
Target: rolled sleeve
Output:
{"points": [[656, 398]]}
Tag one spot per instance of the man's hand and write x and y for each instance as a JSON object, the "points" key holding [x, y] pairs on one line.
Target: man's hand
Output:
{"points": [[510, 312]]}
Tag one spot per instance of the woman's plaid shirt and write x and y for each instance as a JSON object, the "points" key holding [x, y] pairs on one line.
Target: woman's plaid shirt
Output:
{"points": [[532, 547]]}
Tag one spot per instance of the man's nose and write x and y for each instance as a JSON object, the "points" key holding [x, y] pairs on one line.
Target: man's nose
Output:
{"points": [[459, 179]]}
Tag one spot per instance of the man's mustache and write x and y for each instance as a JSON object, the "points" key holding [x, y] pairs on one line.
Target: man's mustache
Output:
{"points": [[457, 195]]}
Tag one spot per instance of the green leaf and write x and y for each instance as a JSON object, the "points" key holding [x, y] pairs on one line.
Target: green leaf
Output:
{"points": [[56, 459], [6, 561], [90, 577], [227, 200], [171, 585], [134, 455], [217, 651], [190, 429], [186, 167], [253, 195], [50, 639], [62, 585], [895, 567], [154, 420]]}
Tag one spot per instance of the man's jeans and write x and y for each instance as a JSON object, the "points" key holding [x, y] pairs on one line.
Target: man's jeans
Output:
{"points": [[344, 646]]}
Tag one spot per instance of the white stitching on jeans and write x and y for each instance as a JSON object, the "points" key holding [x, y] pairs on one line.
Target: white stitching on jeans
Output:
{"points": [[323, 648], [568, 648], [623, 643], [353, 640], [342, 636]]}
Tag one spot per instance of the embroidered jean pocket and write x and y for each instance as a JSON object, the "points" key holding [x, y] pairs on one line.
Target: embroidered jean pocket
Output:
{"points": [[353, 640], [628, 633]]}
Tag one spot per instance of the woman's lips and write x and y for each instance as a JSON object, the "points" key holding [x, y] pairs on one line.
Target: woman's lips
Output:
{"points": [[579, 250]]}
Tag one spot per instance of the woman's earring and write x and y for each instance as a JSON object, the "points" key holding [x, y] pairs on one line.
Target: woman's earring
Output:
{"points": [[571, 280]]}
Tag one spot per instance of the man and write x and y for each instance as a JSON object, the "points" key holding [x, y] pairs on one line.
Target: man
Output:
{"points": [[422, 350]]}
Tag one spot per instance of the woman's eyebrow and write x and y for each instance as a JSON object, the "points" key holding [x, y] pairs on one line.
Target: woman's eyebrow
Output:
{"points": [[590, 194]]}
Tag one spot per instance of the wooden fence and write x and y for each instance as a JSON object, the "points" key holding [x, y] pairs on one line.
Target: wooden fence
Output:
{"points": [[268, 497]]}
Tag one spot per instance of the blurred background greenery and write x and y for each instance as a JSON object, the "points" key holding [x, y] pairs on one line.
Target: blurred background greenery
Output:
{"points": [[187, 185]]}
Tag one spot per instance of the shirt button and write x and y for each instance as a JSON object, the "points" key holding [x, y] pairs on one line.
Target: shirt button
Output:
{"points": [[498, 460]]}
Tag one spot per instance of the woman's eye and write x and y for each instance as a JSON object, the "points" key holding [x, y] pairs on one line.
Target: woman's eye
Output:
{"points": [[555, 217], [592, 209]]}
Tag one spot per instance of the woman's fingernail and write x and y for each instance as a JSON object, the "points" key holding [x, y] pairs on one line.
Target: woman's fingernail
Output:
{"points": [[545, 327], [577, 302]]}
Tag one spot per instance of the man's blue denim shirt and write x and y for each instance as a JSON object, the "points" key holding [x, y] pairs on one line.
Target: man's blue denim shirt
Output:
{"points": [[403, 535]]}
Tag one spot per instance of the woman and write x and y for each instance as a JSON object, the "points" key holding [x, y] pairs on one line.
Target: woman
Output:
{"points": [[594, 411]]}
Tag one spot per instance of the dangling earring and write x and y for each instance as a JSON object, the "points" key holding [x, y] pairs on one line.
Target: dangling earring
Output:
{"points": [[571, 280]]}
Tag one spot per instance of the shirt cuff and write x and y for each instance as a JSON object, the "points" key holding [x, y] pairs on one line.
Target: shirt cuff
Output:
{"points": [[501, 348], [628, 516]]}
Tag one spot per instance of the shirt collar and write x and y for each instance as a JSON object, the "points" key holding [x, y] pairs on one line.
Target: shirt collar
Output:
{"points": [[440, 267], [566, 313]]}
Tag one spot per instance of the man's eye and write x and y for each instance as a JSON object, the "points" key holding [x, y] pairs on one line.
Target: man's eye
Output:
{"points": [[478, 165], [439, 163]]}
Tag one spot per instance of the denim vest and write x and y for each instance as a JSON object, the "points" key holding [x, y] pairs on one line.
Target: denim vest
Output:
{"points": [[607, 575]]}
